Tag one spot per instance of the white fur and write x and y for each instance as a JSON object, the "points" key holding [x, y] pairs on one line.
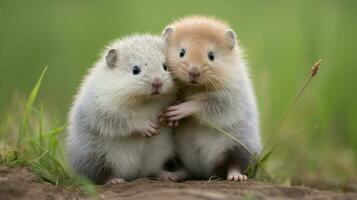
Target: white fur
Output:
{"points": [[103, 118]]}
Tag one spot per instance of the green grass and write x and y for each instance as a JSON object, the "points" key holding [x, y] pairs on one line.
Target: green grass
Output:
{"points": [[37, 145]]}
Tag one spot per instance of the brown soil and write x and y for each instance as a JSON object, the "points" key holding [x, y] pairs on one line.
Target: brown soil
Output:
{"points": [[20, 183]]}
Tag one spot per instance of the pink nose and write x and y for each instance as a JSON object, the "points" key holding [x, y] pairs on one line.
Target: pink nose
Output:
{"points": [[194, 72], [156, 83]]}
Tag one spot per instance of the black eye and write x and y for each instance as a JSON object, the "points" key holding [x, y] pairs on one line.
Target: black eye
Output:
{"points": [[136, 70], [211, 56], [164, 66], [182, 53]]}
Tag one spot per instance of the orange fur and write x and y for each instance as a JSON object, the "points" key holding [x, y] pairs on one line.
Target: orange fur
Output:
{"points": [[199, 35], [214, 89]]}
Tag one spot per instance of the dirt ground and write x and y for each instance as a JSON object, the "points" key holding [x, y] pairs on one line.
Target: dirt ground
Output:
{"points": [[20, 183]]}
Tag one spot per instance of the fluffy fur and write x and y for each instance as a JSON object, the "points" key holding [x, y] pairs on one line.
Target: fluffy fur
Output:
{"points": [[222, 94], [114, 110]]}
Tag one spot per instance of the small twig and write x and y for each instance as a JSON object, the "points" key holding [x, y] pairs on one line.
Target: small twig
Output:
{"points": [[213, 178]]}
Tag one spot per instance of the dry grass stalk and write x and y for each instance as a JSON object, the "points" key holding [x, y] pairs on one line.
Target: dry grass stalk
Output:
{"points": [[314, 70]]}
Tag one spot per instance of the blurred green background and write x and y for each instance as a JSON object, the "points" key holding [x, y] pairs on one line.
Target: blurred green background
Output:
{"points": [[282, 39]]}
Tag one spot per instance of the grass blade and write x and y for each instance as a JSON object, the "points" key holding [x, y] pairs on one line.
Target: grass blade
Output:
{"points": [[266, 156], [28, 107]]}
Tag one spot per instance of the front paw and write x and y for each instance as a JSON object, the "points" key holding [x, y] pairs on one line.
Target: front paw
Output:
{"points": [[163, 120], [234, 175], [148, 129], [177, 112]]}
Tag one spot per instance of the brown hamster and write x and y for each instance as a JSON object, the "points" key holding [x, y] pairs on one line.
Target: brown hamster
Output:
{"points": [[204, 56]]}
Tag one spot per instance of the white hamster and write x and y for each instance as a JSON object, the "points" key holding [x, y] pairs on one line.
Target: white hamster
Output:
{"points": [[113, 134]]}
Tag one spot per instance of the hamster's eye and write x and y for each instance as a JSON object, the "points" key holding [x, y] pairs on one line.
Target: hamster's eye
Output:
{"points": [[211, 56], [182, 53], [164, 66], [136, 70]]}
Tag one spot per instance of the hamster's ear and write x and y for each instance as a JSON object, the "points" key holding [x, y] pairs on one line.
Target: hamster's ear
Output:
{"points": [[231, 36], [112, 58], [167, 32]]}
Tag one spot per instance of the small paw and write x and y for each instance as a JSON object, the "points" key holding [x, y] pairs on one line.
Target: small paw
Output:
{"points": [[115, 181], [236, 177], [148, 129], [163, 120], [177, 112]]}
